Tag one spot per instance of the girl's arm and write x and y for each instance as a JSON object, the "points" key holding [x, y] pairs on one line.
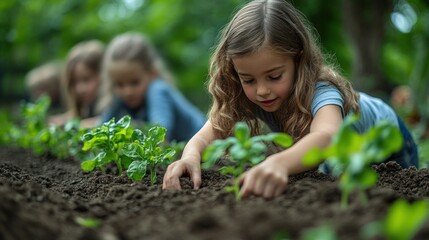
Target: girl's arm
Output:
{"points": [[189, 164], [325, 124], [269, 178]]}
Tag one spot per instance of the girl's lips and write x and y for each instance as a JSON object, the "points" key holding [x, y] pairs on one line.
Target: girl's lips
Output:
{"points": [[268, 102]]}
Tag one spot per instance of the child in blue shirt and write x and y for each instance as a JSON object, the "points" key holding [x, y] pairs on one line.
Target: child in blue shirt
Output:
{"points": [[133, 71], [268, 66]]}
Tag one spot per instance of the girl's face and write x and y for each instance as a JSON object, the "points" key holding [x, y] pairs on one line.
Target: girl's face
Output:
{"points": [[85, 84], [266, 77], [130, 82]]}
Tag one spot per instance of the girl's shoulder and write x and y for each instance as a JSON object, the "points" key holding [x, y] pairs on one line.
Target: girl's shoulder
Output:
{"points": [[325, 87], [326, 94]]}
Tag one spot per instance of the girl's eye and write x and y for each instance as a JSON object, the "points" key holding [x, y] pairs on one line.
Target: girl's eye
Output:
{"points": [[135, 83], [276, 77], [118, 85], [247, 81]]}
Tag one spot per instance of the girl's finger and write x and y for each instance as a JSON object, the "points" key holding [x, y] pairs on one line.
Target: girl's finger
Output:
{"points": [[269, 190], [247, 185]]}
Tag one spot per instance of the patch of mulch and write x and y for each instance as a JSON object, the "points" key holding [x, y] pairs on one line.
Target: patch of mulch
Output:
{"points": [[41, 198]]}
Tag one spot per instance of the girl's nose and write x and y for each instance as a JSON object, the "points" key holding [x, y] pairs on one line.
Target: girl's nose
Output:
{"points": [[80, 89], [128, 91], [263, 90]]}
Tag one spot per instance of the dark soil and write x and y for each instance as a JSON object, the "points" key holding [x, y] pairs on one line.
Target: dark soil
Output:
{"points": [[41, 197]]}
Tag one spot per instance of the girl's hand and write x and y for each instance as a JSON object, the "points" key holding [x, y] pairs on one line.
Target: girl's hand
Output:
{"points": [[184, 166], [268, 179]]}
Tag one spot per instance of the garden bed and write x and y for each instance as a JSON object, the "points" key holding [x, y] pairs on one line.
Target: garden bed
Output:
{"points": [[41, 198]]}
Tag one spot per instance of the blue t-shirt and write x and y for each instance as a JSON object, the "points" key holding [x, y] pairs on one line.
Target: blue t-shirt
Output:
{"points": [[372, 110], [166, 106]]}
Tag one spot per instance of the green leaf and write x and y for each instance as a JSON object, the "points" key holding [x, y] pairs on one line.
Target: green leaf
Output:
{"points": [[368, 178], [283, 140], [137, 170], [132, 151], [88, 165], [124, 122], [241, 132], [257, 148], [356, 164], [157, 134], [313, 157], [403, 220], [167, 154], [88, 222], [237, 152], [225, 170], [324, 232], [213, 152], [257, 159]]}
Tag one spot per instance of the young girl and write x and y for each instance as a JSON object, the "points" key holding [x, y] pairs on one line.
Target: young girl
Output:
{"points": [[268, 66], [135, 74], [81, 82]]}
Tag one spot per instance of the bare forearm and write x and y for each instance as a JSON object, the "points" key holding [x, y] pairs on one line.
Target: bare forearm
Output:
{"points": [[291, 158], [198, 142]]}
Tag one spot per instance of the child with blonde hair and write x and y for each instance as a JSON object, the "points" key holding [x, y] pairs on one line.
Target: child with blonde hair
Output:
{"points": [[268, 66], [141, 87], [80, 83]]}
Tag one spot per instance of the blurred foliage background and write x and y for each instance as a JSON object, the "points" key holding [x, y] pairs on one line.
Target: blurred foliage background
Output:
{"points": [[377, 44]]}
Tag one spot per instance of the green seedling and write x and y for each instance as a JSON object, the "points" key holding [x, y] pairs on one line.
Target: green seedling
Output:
{"points": [[64, 141], [33, 132], [403, 221], [178, 148], [88, 222], [244, 151], [129, 148], [107, 142], [30, 135], [351, 154], [147, 153]]}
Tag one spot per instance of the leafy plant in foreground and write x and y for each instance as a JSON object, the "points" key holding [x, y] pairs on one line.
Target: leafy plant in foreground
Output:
{"points": [[243, 150], [129, 148], [351, 154], [403, 221], [107, 142], [147, 153]]}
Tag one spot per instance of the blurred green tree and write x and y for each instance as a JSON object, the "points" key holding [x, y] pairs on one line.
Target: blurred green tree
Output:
{"points": [[186, 31]]}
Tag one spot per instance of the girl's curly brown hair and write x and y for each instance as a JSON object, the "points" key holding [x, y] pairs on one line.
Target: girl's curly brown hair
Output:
{"points": [[274, 23]]}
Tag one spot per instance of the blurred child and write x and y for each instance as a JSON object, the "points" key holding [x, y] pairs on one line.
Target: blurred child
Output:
{"points": [[135, 74], [81, 81], [45, 80]]}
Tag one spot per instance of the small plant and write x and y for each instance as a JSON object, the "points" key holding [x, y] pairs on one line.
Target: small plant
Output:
{"points": [[351, 154], [64, 141], [403, 221], [243, 150], [34, 116], [147, 153], [107, 142], [129, 148]]}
